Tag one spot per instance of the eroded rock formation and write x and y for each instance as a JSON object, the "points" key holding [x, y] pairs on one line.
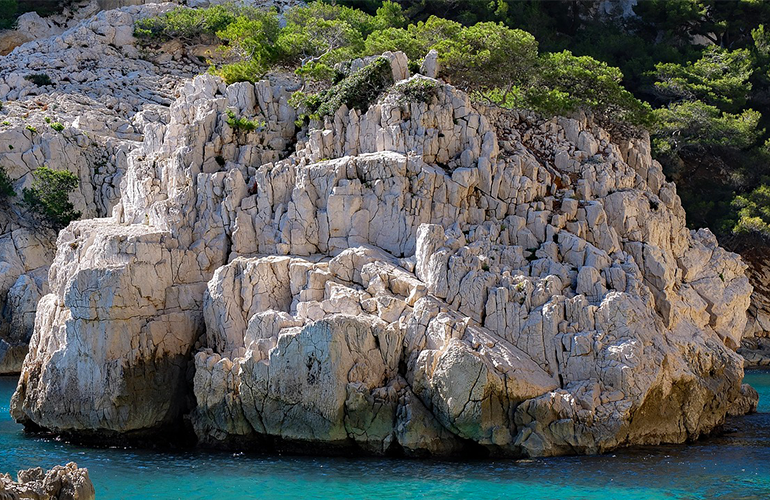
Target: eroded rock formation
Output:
{"points": [[66, 482], [102, 94], [421, 277]]}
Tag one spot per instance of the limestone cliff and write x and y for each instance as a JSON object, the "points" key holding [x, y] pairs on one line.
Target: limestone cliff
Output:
{"points": [[421, 277], [102, 94], [102, 88]]}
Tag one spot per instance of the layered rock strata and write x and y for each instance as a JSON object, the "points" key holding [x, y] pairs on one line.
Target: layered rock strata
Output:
{"points": [[419, 278], [66, 482]]}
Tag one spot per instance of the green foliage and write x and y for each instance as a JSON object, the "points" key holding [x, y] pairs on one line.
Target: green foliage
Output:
{"points": [[31, 129], [502, 65], [389, 15], [39, 79], [48, 198], [726, 24], [241, 71], [358, 91], [185, 23], [315, 38], [57, 126], [463, 11], [415, 40], [418, 89], [8, 11], [322, 34], [253, 38], [561, 83], [6, 186], [694, 123], [720, 78], [754, 211], [565, 82], [241, 123], [488, 55]]}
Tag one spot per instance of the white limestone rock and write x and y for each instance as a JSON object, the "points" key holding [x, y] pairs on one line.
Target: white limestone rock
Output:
{"points": [[104, 95], [430, 66], [415, 277], [66, 482]]}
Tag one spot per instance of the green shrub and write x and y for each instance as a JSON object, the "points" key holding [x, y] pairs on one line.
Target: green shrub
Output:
{"points": [[8, 11], [314, 38], [696, 124], [48, 198], [185, 23], [6, 186], [358, 91], [415, 40], [418, 90], [241, 71], [241, 123], [719, 78], [39, 79], [488, 55], [31, 129], [57, 126], [754, 211], [253, 39]]}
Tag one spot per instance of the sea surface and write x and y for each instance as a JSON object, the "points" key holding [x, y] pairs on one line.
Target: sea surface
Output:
{"points": [[735, 466]]}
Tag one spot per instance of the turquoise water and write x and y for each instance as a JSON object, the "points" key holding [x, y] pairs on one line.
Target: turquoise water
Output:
{"points": [[735, 466]]}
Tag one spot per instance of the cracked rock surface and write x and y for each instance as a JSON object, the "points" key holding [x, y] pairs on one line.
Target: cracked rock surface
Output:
{"points": [[423, 278], [66, 482], [102, 93]]}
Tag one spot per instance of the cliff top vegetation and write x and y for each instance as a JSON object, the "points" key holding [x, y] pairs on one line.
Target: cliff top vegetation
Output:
{"points": [[692, 72]]}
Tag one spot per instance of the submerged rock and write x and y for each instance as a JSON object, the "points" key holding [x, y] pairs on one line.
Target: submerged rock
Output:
{"points": [[66, 482], [419, 278]]}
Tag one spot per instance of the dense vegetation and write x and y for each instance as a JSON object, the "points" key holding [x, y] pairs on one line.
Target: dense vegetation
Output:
{"points": [[489, 59], [8, 9]]}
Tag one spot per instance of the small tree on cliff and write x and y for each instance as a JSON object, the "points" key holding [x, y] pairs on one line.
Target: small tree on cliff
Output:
{"points": [[6, 187], [48, 198]]}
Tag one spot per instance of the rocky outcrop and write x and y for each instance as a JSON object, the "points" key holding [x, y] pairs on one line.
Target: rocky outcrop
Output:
{"points": [[420, 278], [31, 27], [62, 482], [102, 94], [149, 274]]}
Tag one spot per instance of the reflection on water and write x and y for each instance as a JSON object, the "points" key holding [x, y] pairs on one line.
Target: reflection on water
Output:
{"points": [[733, 466]]}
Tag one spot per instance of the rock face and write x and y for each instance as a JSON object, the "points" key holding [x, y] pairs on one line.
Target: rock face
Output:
{"points": [[62, 482], [102, 94], [421, 278], [755, 344]]}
